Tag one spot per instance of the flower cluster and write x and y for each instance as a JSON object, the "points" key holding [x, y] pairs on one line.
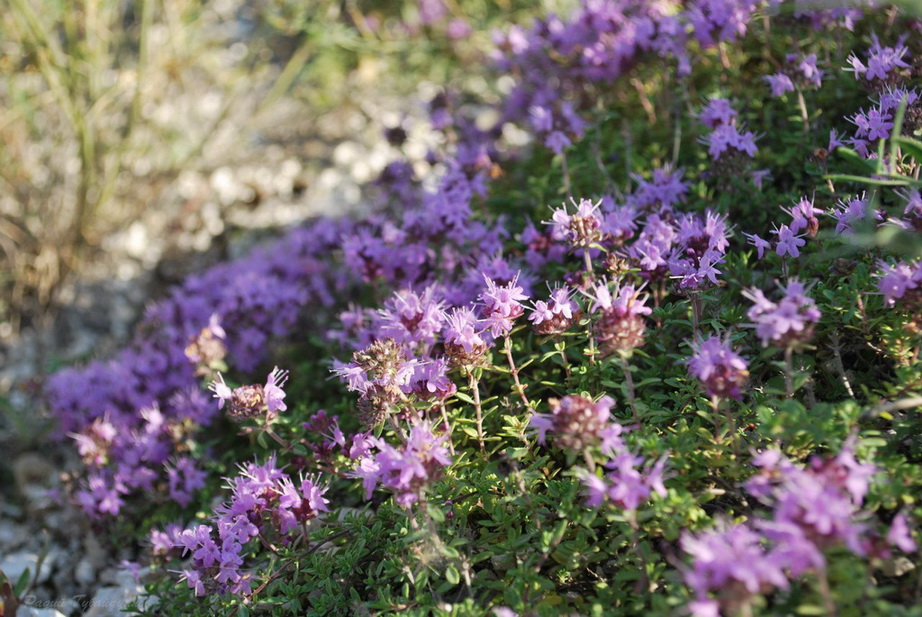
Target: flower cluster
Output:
{"points": [[814, 508], [626, 483], [619, 327], [788, 323], [556, 314], [502, 305], [578, 422], [728, 145], [378, 373], [700, 244], [720, 370], [582, 228], [408, 470], [254, 400], [265, 503], [800, 72], [881, 65]]}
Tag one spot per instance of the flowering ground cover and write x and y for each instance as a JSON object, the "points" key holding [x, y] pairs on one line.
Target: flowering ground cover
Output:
{"points": [[663, 360]]}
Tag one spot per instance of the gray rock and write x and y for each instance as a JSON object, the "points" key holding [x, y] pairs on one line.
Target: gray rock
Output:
{"points": [[32, 469], [84, 572], [111, 601], [94, 551], [17, 563], [28, 611], [10, 535]]}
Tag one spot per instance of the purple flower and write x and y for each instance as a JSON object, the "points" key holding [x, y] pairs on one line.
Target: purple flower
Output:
{"points": [[431, 380], [464, 344], [701, 245], [788, 243], [556, 315], [721, 371], [411, 318], [760, 244], [620, 327], [275, 396], [184, 479], [665, 190], [379, 372], [581, 229], [780, 84], [717, 112], [808, 70], [899, 534], [790, 322], [408, 470], [850, 211], [730, 567], [726, 138], [578, 422], [502, 305], [626, 484], [901, 284], [822, 499], [253, 400], [881, 61], [296, 507]]}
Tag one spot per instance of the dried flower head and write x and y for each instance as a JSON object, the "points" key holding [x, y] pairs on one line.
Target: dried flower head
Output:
{"points": [[254, 400], [721, 370], [578, 422], [207, 350]]}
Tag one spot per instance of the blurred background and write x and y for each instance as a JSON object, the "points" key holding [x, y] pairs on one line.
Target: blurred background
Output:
{"points": [[143, 140]]}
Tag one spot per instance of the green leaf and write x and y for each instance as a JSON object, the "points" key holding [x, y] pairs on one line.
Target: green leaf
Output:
{"points": [[452, 575], [912, 147], [22, 584], [461, 396], [864, 180]]}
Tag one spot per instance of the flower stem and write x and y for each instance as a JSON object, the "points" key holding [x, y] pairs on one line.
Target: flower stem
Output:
{"points": [[629, 386], [519, 388], [696, 310], [825, 592], [562, 349], [804, 116], [451, 445], [590, 462], [715, 417], [789, 371], [587, 261], [566, 172], [475, 391]]}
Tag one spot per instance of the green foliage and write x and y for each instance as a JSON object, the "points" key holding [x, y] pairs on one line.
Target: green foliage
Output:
{"points": [[507, 525]]}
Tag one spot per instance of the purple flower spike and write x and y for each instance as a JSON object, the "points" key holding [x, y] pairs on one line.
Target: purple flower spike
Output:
{"points": [[730, 567], [577, 423], [901, 284], [252, 400], [502, 305], [275, 396], [787, 323], [721, 371]]}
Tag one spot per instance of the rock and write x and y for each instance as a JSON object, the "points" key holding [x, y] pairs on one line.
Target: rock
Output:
{"points": [[28, 611], [94, 551], [14, 565], [32, 469], [10, 535], [84, 572], [111, 601]]}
